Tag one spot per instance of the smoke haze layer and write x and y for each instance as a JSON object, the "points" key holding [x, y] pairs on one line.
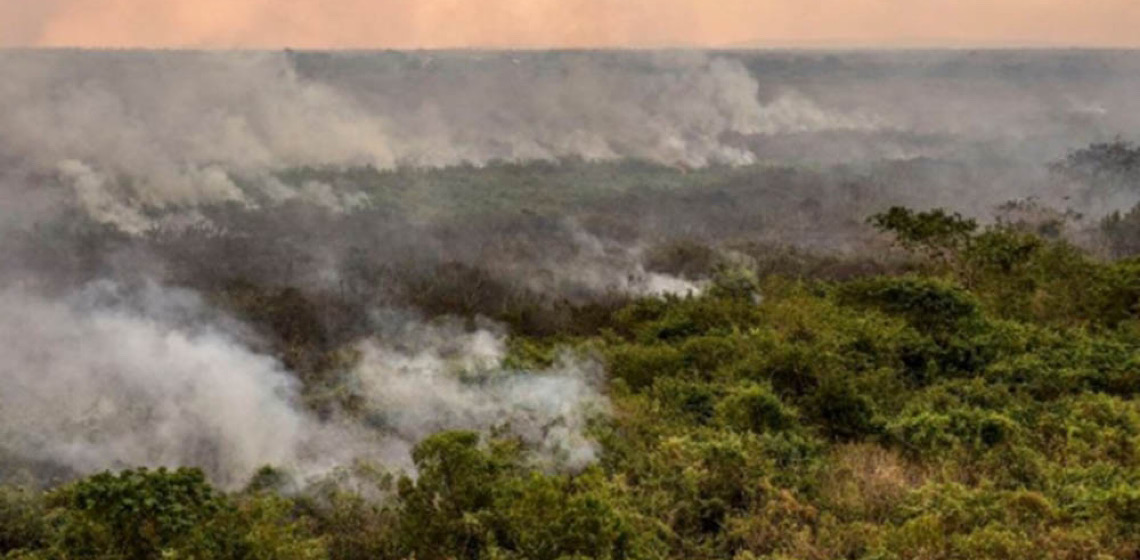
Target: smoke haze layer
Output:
{"points": [[232, 259], [112, 378], [136, 131]]}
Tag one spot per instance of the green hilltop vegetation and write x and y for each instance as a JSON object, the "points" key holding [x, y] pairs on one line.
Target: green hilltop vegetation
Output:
{"points": [[975, 401]]}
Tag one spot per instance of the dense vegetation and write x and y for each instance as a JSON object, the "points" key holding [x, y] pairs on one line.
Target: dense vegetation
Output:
{"points": [[976, 401]]}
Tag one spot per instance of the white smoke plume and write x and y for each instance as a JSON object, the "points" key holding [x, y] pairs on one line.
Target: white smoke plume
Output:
{"points": [[426, 379], [101, 380], [104, 388], [93, 382], [128, 132], [599, 266]]}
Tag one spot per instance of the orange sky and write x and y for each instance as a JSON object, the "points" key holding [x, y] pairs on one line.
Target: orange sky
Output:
{"points": [[567, 23]]}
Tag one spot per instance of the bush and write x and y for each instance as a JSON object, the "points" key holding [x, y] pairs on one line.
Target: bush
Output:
{"points": [[930, 305], [844, 413], [757, 409], [639, 365], [136, 514], [143, 514], [936, 233], [22, 524]]}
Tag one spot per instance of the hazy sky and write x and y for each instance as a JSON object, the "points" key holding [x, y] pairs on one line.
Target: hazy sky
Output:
{"points": [[566, 23]]}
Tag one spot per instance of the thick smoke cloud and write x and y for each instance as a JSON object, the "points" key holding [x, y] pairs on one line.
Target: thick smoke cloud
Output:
{"points": [[136, 131], [325, 186], [114, 379], [422, 379], [91, 388], [125, 134]]}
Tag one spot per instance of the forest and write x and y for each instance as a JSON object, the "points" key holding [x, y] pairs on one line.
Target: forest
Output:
{"points": [[968, 392], [720, 320]]}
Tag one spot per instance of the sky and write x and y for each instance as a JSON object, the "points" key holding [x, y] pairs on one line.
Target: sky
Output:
{"points": [[404, 24]]}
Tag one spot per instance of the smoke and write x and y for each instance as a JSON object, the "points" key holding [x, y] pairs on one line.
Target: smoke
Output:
{"points": [[595, 265], [425, 379], [333, 184], [96, 388], [110, 378], [143, 131], [129, 133]]}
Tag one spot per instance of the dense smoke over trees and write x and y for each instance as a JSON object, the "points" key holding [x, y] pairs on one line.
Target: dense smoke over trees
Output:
{"points": [[679, 304]]}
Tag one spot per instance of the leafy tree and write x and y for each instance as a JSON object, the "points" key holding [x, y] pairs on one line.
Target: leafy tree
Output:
{"points": [[447, 510], [136, 514], [757, 409], [22, 524], [935, 233], [143, 514]]}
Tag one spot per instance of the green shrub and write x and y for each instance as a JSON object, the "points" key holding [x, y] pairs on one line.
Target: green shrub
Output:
{"points": [[694, 403], [143, 514], [844, 413], [640, 365], [757, 409], [931, 306], [135, 514], [22, 524], [937, 233]]}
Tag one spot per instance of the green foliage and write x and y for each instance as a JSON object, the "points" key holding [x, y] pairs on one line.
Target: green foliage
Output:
{"points": [[981, 410], [930, 305], [22, 524], [843, 412], [936, 233], [982, 407], [563, 517], [136, 514], [639, 365], [757, 409], [1121, 232], [142, 514], [474, 502], [446, 509]]}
